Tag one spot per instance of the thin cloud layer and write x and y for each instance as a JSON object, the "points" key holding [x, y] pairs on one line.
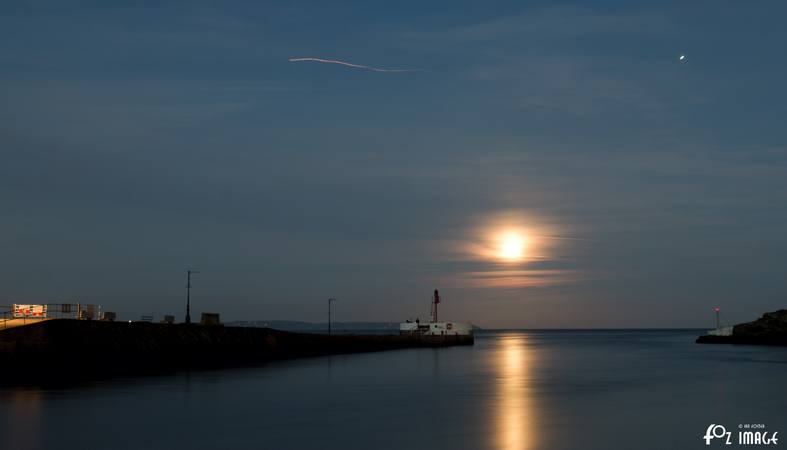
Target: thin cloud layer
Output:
{"points": [[150, 140]]}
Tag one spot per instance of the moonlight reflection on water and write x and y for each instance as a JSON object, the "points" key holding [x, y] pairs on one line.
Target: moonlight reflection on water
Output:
{"points": [[514, 418]]}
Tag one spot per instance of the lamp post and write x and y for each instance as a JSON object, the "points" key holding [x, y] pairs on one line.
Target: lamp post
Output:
{"points": [[188, 294], [329, 314]]}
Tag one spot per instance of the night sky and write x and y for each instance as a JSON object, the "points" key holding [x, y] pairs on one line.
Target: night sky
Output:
{"points": [[142, 139]]}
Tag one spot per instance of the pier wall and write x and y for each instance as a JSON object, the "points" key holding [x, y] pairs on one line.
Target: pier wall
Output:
{"points": [[78, 348]]}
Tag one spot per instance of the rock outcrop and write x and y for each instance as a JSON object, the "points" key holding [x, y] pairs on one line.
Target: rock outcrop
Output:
{"points": [[770, 329]]}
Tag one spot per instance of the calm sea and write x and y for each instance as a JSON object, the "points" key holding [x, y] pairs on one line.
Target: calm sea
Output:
{"points": [[512, 390]]}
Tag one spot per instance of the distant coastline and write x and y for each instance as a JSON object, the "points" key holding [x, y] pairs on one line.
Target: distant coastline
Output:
{"points": [[317, 327], [321, 327]]}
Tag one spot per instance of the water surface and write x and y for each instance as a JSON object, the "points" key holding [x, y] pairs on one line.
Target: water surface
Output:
{"points": [[512, 390]]}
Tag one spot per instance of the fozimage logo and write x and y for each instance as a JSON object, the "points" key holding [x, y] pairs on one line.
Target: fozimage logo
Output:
{"points": [[748, 434]]}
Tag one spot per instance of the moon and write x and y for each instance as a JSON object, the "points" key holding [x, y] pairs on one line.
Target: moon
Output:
{"points": [[682, 57], [512, 247]]}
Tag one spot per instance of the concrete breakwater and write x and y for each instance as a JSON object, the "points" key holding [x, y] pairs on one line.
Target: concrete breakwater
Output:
{"points": [[71, 349]]}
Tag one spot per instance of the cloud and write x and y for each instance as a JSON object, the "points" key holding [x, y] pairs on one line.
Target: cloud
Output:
{"points": [[548, 23], [515, 279]]}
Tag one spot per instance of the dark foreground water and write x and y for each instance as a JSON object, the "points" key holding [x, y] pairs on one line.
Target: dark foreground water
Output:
{"points": [[512, 390]]}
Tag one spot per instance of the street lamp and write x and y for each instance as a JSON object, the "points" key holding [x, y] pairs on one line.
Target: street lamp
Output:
{"points": [[188, 294], [329, 314]]}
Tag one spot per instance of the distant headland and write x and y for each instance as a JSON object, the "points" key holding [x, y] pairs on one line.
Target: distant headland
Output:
{"points": [[318, 327], [770, 329]]}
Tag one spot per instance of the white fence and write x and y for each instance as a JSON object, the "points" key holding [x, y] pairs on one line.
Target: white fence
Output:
{"points": [[721, 331]]}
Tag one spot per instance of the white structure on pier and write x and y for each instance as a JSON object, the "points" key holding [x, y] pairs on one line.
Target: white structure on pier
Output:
{"points": [[435, 328]]}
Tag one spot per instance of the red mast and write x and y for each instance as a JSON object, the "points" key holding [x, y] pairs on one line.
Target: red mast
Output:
{"points": [[435, 301]]}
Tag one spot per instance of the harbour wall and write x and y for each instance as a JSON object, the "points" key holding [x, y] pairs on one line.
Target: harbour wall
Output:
{"points": [[75, 349]]}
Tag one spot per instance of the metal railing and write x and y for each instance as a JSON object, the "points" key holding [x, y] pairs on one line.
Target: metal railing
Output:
{"points": [[4, 317], [8, 320], [74, 311], [77, 311]]}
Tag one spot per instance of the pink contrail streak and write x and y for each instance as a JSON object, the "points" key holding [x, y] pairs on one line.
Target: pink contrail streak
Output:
{"points": [[357, 66]]}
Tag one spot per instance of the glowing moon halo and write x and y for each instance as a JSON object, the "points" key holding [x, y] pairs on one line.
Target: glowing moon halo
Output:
{"points": [[512, 247]]}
